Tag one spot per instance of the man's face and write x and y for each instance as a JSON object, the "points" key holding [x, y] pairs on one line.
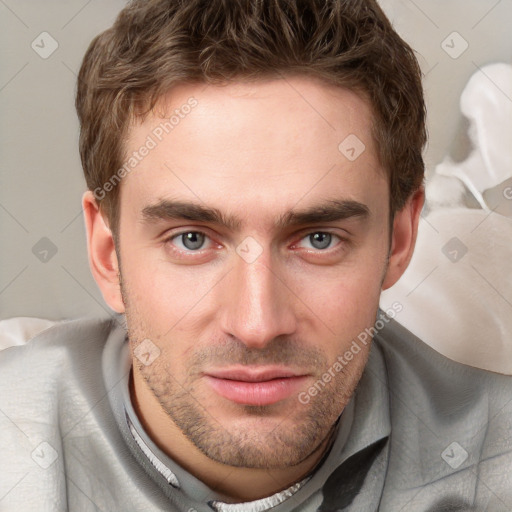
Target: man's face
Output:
{"points": [[252, 253]]}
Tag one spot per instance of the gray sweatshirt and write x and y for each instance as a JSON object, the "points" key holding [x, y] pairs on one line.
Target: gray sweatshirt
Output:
{"points": [[421, 433]]}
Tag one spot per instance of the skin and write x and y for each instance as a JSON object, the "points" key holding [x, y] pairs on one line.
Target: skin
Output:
{"points": [[254, 151]]}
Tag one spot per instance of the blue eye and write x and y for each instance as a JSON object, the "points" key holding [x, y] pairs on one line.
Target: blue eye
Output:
{"points": [[190, 240], [319, 239]]}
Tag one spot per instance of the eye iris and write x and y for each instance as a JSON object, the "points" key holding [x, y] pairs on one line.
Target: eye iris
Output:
{"points": [[320, 240], [192, 240]]}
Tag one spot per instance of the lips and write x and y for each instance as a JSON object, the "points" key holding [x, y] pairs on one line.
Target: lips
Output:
{"points": [[255, 386]]}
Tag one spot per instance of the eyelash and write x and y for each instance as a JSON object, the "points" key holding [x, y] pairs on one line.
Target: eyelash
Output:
{"points": [[200, 252]]}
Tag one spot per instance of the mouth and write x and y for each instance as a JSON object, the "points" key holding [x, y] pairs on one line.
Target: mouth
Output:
{"points": [[257, 385]]}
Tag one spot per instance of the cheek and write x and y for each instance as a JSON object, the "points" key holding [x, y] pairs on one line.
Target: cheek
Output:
{"points": [[164, 298], [343, 300], [350, 300], [148, 294]]}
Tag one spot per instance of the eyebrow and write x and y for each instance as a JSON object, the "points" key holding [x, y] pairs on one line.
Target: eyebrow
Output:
{"points": [[328, 211]]}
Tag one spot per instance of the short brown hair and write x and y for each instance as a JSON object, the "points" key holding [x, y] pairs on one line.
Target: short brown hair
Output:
{"points": [[156, 44]]}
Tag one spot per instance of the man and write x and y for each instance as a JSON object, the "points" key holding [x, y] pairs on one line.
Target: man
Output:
{"points": [[255, 181]]}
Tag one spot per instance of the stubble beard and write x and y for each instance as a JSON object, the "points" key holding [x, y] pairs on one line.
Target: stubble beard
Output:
{"points": [[263, 438], [287, 444]]}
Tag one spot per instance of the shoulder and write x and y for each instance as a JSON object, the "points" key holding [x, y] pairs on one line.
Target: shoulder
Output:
{"points": [[451, 423], [53, 413], [411, 362], [60, 352], [61, 338]]}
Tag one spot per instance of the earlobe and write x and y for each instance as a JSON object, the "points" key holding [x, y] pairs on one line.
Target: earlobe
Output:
{"points": [[102, 253], [403, 239]]}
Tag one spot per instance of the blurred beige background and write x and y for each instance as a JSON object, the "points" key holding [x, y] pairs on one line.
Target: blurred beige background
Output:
{"points": [[43, 263]]}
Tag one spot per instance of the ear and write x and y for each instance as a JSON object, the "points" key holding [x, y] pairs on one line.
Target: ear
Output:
{"points": [[102, 253], [403, 238]]}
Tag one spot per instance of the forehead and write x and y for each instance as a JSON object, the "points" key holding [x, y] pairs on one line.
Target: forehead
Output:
{"points": [[266, 142]]}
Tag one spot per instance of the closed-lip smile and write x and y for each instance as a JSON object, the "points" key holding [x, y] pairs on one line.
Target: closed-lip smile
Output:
{"points": [[257, 385]]}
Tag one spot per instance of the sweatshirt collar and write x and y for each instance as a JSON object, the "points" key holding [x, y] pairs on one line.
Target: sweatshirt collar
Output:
{"points": [[364, 421]]}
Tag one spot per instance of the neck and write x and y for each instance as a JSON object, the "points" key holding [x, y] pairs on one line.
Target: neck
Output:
{"points": [[250, 484]]}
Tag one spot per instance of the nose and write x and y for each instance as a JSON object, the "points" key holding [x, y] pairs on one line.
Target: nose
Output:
{"points": [[258, 305]]}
